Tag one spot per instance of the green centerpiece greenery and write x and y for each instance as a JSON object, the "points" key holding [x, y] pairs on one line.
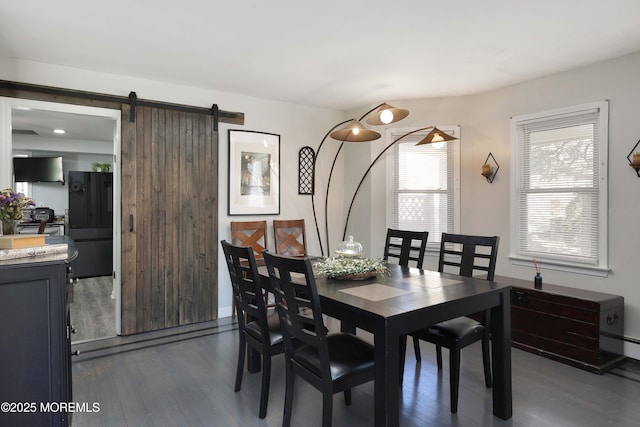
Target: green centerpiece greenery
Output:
{"points": [[345, 267]]}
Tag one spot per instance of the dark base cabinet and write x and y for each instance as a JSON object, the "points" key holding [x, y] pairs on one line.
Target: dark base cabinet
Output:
{"points": [[35, 347], [95, 252], [566, 324]]}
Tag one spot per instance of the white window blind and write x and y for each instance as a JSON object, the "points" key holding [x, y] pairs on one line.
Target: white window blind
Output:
{"points": [[423, 188], [560, 198]]}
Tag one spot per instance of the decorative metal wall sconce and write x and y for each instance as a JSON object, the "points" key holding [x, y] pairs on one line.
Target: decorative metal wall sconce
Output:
{"points": [[306, 164], [489, 171], [634, 159]]}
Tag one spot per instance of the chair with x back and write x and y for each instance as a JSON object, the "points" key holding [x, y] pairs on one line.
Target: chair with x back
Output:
{"points": [[290, 237], [406, 246], [462, 255], [259, 328], [250, 233], [332, 363]]}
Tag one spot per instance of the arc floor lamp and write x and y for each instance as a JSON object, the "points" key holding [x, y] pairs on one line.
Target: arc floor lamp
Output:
{"points": [[353, 130]]}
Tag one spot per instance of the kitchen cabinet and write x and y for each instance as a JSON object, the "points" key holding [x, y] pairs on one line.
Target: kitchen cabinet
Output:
{"points": [[35, 373]]}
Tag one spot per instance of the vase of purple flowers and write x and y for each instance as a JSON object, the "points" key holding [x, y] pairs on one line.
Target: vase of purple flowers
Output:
{"points": [[11, 206]]}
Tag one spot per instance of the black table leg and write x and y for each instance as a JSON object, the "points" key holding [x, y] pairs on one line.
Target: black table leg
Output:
{"points": [[501, 355]]}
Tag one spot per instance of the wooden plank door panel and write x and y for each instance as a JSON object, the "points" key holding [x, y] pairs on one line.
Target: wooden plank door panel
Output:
{"points": [[169, 189]]}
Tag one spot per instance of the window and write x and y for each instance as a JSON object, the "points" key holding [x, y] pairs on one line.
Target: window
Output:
{"points": [[22, 187], [425, 189], [559, 188]]}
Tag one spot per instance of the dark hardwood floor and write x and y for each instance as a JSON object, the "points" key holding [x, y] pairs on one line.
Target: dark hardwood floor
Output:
{"points": [[92, 309], [187, 380]]}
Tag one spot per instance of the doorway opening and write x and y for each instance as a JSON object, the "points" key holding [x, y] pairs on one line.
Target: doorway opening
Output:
{"points": [[91, 137]]}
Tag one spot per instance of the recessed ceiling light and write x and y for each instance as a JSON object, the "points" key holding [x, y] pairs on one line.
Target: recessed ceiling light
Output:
{"points": [[59, 131]]}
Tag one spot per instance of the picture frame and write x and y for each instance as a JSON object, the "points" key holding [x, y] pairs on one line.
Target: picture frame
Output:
{"points": [[254, 173]]}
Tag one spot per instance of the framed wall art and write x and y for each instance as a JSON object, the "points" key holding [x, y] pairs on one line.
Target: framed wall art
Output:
{"points": [[254, 173]]}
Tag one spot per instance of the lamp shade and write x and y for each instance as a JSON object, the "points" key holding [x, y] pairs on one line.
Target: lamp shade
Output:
{"points": [[436, 135], [386, 114], [355, 132]]}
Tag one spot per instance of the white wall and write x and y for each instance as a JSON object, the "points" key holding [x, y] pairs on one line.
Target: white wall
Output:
{"points": [[484, 119], [297, 126]]}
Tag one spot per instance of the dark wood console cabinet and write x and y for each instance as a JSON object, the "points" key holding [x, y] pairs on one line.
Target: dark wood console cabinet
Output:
{"points": [[35, 346], [566, 324]]}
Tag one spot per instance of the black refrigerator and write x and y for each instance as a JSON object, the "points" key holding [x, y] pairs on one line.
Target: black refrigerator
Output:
{"points": [[91, 222]]}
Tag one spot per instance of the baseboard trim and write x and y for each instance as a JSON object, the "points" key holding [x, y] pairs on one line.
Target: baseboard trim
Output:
{"points": [[108, 346], [631, 348]]}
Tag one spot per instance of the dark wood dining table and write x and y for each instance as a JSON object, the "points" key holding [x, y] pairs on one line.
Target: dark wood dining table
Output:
{"points": [[406, 299]]}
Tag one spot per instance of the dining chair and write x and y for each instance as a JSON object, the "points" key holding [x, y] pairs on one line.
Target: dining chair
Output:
{"points": [[406, 246], [462, 255], [290, 237], [259, 328], [331, 363], [250, 233]]}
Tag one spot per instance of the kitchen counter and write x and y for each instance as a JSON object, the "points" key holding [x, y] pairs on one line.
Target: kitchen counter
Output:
{"points": [[37, 224], [52, 228], [70, 255]]}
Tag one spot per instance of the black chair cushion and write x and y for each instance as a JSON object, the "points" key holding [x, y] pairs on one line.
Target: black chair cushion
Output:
{"points": [[275, 332], [458, 328], [348, 354]]}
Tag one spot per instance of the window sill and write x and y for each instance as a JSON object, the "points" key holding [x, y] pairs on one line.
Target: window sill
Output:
{"points": [[559, 266]]}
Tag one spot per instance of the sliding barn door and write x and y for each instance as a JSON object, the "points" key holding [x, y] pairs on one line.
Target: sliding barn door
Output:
{"points": [[169, 219]]}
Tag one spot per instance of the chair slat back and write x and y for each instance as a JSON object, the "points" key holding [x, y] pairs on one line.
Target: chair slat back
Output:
{"points": [[298, 303], [466, 254], [246, 283], [250, 233], [290, 237], [406, 246]]}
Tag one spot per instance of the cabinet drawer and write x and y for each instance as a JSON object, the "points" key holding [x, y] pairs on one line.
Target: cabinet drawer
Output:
{"points": [[562, 306], [555, 328], [549, 347]]}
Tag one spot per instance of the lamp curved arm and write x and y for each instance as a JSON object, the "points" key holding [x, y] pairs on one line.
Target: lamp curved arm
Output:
{"points": [[313, 194], [366, 173], [326, 200]]}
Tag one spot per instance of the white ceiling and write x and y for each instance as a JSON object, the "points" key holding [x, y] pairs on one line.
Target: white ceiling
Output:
{"points": [[334, 53], [77, 127]]}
